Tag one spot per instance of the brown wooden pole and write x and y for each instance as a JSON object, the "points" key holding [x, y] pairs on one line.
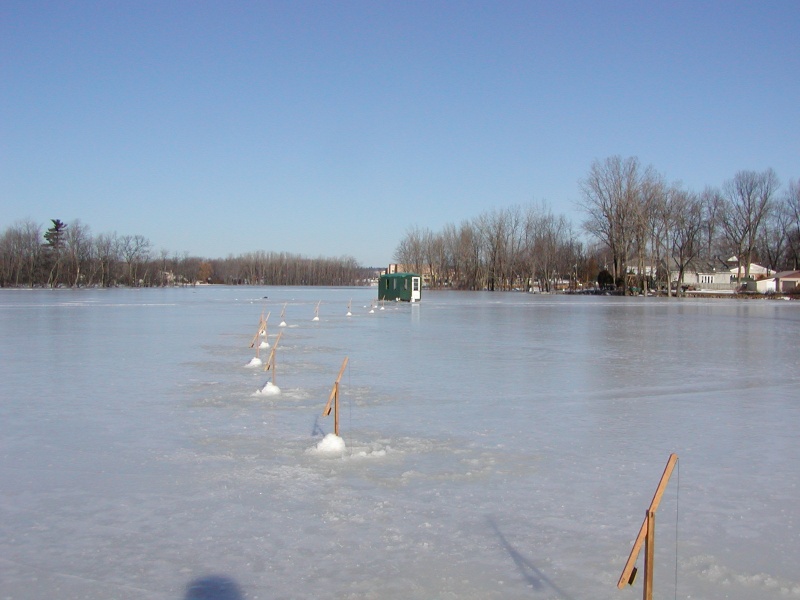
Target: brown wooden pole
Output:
{"points": [[336, 408], [649, 554], [637, 544], [333, 399], [271, 362]]}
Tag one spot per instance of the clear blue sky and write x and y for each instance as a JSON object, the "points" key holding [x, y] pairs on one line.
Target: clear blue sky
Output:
{"points": [[330, 128]]}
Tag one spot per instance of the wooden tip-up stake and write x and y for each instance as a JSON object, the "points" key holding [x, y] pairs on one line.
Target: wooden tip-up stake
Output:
{"points": [[262, 328], [647, 534], [334, 399], [271, 360]]}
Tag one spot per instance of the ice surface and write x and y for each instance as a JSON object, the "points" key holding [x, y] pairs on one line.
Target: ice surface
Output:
{"points": [[498, 446]]}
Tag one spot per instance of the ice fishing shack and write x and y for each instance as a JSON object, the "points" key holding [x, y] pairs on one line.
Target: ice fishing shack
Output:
{"points": [[400, 286]]}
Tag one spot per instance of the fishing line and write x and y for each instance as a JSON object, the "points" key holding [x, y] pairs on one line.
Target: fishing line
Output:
{"points": [[349, 403]]}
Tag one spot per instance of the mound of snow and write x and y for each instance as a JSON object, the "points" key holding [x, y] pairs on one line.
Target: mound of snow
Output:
{"points": [[331, 444], [270, 389], [254, 362]]}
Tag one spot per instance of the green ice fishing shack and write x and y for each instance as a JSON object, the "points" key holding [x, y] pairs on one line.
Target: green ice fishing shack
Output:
{"points": [[400, 286]]}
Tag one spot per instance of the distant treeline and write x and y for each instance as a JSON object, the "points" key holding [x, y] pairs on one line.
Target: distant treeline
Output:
{"points": [[68, 255], [642, 232]]}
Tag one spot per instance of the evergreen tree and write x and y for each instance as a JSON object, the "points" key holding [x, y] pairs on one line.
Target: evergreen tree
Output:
{"points": [[54, 249]]}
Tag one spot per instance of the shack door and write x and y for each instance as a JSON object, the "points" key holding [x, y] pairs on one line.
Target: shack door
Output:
{"points": [[416, 286]]}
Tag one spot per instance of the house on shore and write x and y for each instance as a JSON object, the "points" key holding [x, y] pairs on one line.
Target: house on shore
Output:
{"points": [[720, 275], [785, 282]]}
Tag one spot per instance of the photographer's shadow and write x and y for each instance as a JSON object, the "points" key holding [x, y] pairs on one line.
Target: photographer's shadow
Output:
{"points": [[534, 576], [213, 587]]}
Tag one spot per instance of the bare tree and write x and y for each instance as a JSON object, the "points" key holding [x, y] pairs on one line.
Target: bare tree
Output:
{"points": [[772, 243], [135, 251], [436, 258], [515, 236], [748, 200], [687, 218], [469, 252], [21, 254], [610, 194], [645, 205], [410, 251], [79, 250], [491, 228], [791, 202], [108, 255], [661, 223], [713, 205]]}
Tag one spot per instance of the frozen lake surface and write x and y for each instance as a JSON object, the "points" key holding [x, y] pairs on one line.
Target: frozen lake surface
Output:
{"points": [[497, 446]]}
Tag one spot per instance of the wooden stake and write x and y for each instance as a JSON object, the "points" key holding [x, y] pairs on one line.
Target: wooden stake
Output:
{"points": [[649, 554], [334, 398], [262, 328], [647, 532], [271, 360]]}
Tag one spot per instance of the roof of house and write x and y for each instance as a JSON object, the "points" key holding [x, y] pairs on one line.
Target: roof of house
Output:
{"points": [[788, 275]]}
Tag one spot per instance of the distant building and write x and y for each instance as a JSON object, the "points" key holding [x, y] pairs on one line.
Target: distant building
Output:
{"points": [[720, 275], [424, 273], [400, 286], [787, 281]]}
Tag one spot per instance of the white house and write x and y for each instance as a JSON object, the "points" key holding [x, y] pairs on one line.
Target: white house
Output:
{"points": [[784, 282], [787, 281], [764, 286], [721, 276]]}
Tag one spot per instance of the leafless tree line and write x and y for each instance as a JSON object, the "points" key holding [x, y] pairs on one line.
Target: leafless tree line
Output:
{"points": [[68, 255], [280, 268], [643, 230], [650, 227], [512, 248]]}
